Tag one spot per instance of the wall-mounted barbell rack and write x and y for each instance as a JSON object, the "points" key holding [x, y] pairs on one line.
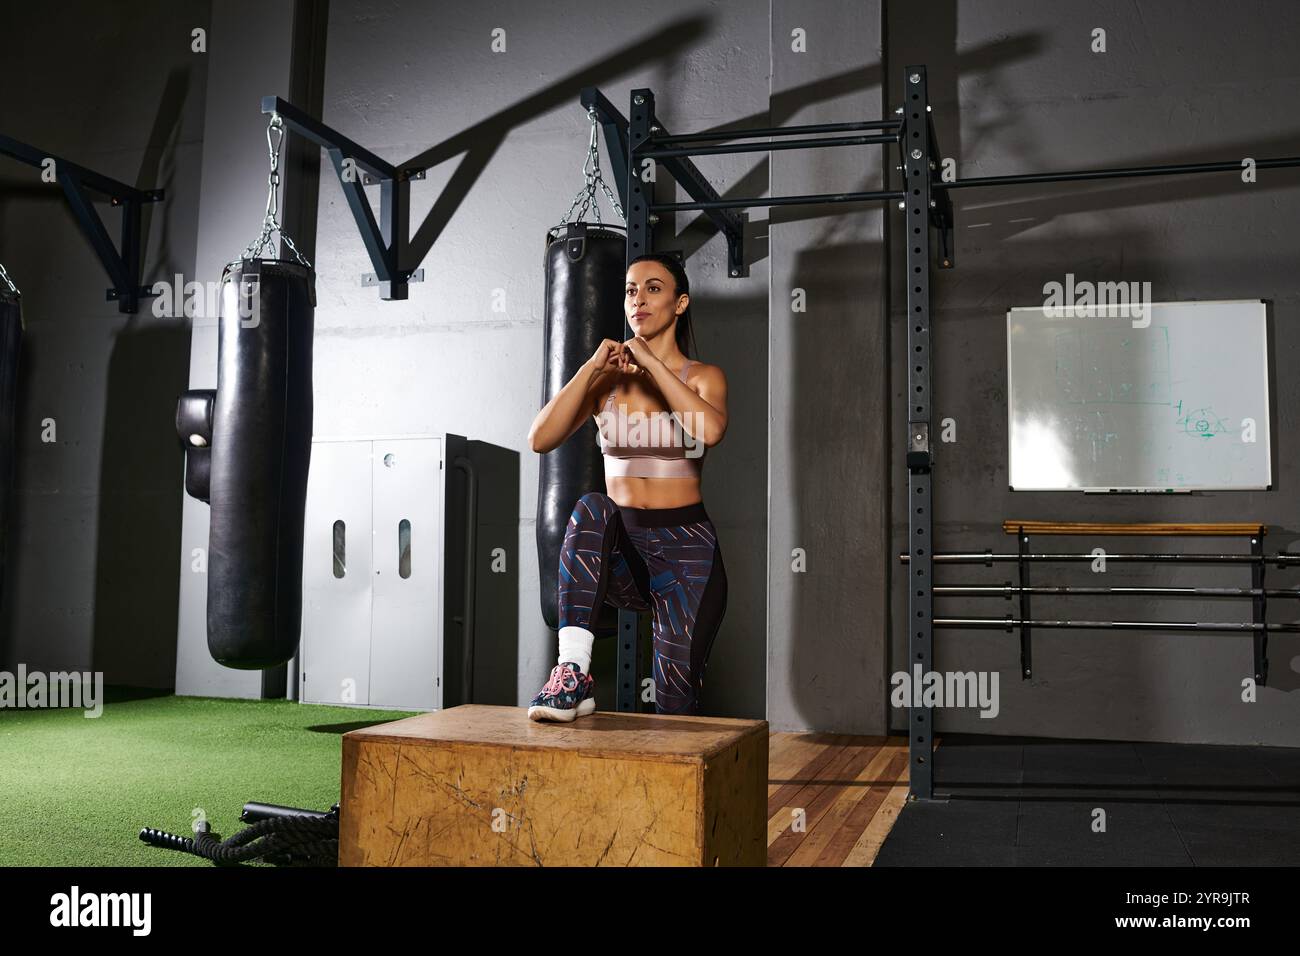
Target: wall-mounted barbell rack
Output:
{"points": [[1258, 627], [928, 223]]}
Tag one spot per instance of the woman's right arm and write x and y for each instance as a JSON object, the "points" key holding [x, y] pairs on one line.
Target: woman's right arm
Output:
{"points": [[576, 402]]}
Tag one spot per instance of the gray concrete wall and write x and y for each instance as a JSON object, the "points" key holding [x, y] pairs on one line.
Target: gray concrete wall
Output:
{"points": [[1016, 88], [96, 521]]}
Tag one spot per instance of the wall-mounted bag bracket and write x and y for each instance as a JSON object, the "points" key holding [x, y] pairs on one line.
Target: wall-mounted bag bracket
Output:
{"points": [[662, 147], [386, 242], [123, 267]]}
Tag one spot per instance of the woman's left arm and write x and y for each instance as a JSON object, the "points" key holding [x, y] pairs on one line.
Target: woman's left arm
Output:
{"points": [[702, 414]]}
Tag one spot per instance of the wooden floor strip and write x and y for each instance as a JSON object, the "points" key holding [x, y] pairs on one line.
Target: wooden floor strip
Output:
{"points": [[836, 845], [844, 790], [801, 776], [815, 799], [788, 752]]}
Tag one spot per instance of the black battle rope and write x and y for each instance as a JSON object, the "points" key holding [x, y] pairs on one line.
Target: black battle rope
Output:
{"points": [[282, 841]]}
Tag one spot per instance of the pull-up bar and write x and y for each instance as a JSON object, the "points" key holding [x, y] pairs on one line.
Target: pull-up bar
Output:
{"points": [[779, 201], [664, 153], [783, 131], [1119, 173]]}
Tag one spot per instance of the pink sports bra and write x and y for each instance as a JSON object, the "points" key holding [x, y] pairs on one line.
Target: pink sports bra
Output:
{"points": [[654, 444]]}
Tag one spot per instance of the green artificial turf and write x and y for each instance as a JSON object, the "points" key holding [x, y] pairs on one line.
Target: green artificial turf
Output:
{"points": [[76, 791]]}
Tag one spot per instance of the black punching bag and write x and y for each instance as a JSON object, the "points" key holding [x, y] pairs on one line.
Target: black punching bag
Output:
{"points": [[585, 271], [261, 422], [11, 343]]}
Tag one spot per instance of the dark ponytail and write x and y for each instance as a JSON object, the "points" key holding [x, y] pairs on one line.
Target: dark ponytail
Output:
{"points": [[685, 332]]}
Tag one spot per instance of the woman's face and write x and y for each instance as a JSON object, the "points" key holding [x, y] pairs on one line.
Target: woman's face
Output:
{"points": [[648, 301]]}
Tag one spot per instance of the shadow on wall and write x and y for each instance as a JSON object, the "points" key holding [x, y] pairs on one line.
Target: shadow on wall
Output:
{"points": [[16, 529], [838, 421], [139, 508], [480, 142], [139, 532]]}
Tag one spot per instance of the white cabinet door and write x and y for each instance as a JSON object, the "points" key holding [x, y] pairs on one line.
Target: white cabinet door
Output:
{"points": [[337, 575], [408, 543]]}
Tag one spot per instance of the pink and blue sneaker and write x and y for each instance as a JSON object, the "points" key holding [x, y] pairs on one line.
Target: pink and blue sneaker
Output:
{"points": [[567, 695]]}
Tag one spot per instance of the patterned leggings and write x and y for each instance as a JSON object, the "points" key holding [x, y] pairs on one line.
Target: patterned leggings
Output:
{"points": [[662, 560]]}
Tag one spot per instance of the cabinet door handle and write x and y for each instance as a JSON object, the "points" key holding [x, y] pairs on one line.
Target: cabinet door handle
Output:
{"points": [[340, 549], [404, 548]]}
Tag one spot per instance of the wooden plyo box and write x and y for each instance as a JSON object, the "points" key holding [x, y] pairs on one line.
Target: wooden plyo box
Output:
{"points": [[478, 785]]}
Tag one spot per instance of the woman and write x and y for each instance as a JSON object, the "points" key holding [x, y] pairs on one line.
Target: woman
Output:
{"points": [[648, 545]]}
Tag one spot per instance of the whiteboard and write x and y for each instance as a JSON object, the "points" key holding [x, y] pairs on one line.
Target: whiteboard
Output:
{"points": [[1097, 403]]}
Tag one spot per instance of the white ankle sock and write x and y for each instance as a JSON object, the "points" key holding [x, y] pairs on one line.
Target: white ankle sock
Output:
{"points": [[575, 646]]}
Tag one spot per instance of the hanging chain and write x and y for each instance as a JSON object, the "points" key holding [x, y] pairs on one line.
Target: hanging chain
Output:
{"points": [[271, 223], [8, 281], [591, 170]]}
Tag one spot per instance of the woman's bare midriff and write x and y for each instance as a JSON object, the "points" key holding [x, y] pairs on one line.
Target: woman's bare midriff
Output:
{"points": [[650, 492], [654, 492]]}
